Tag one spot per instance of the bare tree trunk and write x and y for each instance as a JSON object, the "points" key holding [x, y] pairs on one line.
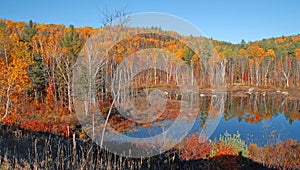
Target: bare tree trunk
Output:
{"points": [[6, 57], [7, 102], [257, 73], [297, 73], [286, 76], [251, 74], [232, 73], [192, 73], [267, 72], [176, 76], [106, 121], [69, 97]]}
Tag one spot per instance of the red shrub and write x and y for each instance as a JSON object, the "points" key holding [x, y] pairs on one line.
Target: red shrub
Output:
{"points": [[194, 148]]}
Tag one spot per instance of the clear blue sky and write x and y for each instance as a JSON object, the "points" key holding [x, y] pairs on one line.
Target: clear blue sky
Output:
{"points": [[227, 20]]}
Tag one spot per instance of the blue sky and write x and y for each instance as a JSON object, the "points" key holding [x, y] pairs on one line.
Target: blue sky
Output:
{"points": [[227, 20]]}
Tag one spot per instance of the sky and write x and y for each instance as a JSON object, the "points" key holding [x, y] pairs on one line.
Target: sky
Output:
{"points": [[226, 20]]}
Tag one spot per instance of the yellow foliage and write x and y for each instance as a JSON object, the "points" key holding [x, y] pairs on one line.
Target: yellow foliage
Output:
{"points": [[13, 75], [297, 53], [270, 53], [255, 51]]}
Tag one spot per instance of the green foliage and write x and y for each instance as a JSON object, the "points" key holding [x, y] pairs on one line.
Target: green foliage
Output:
{"points": [[37, 73], [297, 44], [2, 24], [266, 44], [235, 142], [230, 53], [72, 42], [29, 31], [188, 55], [243, 42]]}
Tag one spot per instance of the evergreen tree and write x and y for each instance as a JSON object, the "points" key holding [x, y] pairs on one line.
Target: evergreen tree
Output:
{"points": [[243, 44], [29, 31], [37, 75], [72, 42], [188, 55]]}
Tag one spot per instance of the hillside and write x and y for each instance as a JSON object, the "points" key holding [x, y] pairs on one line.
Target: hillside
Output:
{"points": [[36, 62]]}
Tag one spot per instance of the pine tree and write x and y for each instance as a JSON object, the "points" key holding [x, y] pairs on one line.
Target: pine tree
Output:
{"points": [[37, 75], [72, 45], [71, 41], [29, 31]]}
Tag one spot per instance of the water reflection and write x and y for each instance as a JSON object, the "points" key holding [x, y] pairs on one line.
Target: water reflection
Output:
{"points": [[260, 117]]}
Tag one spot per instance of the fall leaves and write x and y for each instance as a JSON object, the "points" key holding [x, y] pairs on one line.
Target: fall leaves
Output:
{"points": [[36, 61], [13, 76], [256, 52]]}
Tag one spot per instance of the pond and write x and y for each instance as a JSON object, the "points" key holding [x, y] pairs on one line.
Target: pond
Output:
{"points": [[262, 117]]}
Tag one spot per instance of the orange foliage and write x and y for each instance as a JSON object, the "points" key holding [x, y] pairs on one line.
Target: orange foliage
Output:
{"points": [[222, 149], [255, 51], [270, 53], [35, 125], [47, 42], [284, 155], [14, 80], [297, 53]]}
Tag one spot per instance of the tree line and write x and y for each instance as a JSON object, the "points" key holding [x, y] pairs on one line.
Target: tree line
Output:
{"points": [[37, 62]]}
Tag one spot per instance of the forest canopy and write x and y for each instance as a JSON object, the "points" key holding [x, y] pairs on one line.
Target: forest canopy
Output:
{"points": [[37, 60]]}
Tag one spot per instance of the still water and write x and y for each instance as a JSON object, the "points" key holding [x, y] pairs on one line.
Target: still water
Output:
{"points": [[260, 118]]}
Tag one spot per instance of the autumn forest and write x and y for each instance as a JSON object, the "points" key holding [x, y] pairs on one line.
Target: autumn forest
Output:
{"points": [[37, 63]]}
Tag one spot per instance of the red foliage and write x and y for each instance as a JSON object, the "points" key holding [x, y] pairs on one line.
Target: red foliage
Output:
{"points": [[195, 147], [34, 125]]}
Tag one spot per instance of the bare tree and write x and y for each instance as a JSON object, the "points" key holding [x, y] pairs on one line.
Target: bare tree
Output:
{"points": [[94, 72]]}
